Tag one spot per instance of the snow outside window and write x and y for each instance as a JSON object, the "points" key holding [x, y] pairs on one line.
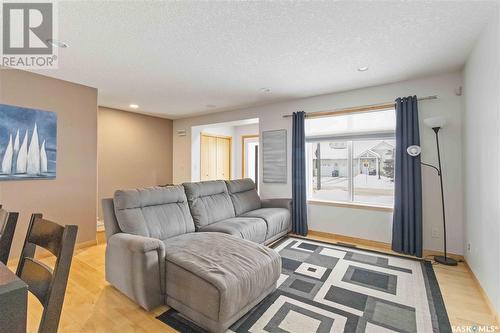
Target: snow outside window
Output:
{"points": [[350, 158]]}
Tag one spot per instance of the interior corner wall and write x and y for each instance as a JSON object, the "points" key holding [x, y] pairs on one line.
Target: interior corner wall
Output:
{"points": [[134, 150], [71, 198], [481, 143], [358, 222]]}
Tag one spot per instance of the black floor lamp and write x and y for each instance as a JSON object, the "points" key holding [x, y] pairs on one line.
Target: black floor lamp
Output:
{"points": [[436, 123]]}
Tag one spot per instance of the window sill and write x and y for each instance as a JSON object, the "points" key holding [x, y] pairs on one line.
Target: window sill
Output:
{"points": [[350, 205]]}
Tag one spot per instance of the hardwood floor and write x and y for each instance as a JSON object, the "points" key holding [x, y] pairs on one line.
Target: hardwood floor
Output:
{"points": [[92, 305]]}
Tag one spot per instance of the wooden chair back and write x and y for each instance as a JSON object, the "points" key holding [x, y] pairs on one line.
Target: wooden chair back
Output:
{"points": [[8, 222], [47, 284]]}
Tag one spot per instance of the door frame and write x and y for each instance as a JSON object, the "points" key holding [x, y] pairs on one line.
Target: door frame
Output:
{"points": [[228, 137], [243, 138]]}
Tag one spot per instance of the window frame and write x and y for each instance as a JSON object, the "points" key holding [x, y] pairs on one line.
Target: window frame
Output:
{"points": [[349, 139]]}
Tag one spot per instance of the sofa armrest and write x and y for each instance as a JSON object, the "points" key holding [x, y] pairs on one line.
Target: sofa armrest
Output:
{"points": [[277, 203], [136, 243], [135, 265]]}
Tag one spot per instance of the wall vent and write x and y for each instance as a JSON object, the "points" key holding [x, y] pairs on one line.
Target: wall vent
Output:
{"points": [[181, 132]]}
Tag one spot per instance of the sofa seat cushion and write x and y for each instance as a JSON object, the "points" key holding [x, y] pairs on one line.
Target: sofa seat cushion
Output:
{"points": [[250, 228], [217, 274], [277, 219]]}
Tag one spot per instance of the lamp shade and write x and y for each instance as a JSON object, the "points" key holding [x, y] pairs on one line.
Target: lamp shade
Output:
{"points": [[414, 150], [434, 122]]}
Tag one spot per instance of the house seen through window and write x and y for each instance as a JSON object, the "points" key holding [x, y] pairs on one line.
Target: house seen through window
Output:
{"points": [[350, 158]]}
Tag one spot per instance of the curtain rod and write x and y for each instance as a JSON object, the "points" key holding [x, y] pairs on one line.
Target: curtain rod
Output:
{"points": [[363, 108]]}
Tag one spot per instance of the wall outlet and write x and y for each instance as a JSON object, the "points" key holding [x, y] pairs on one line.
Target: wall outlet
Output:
{"points": [[468, 247], [435, 232]]}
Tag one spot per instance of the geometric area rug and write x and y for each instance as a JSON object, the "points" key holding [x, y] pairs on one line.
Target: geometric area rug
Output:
{"points": [[331, 288]]}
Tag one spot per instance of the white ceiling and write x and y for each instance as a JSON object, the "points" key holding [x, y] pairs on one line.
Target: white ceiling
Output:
{"points": [[175, 58]]}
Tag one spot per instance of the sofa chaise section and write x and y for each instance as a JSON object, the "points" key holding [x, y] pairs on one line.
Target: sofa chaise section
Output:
{"points": [[215, 278]]}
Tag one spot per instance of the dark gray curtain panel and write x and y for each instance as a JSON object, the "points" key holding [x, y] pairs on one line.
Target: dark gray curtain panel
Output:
{"points": [[299, 205], [407, 219]]}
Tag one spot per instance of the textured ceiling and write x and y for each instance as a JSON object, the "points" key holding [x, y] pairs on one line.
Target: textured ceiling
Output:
{"points": [[175, 58]]}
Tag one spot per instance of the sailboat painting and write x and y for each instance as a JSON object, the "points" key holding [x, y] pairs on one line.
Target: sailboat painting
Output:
{"points": [[28, 143]]}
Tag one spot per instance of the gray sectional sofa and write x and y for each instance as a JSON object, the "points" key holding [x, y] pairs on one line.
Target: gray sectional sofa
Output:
{"points": [[234, 207], [196, 247]]}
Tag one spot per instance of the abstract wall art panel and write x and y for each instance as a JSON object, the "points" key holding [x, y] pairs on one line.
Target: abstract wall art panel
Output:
{"points": [[28, 143], [274, 156]]}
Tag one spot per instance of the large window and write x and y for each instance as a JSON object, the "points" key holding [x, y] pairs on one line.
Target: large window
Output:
{"points": [[350, 158]]}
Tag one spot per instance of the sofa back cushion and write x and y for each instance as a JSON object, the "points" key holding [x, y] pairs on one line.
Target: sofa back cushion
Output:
{"points": [[209, 202], [244, 195], [156, 212]]}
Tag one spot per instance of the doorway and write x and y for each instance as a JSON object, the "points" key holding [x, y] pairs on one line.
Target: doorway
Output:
{"points": [[216, 149], [250, 157]]}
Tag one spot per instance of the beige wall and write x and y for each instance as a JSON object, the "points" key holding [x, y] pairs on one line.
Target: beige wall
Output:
{"points": [[134, 150], [357, 222], [481, 159], [71, 197]]}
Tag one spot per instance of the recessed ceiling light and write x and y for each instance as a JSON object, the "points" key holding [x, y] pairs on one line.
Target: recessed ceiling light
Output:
{"points": [[134, 106], [362, 69], [211, 106], [57, 43], [265, 90]]}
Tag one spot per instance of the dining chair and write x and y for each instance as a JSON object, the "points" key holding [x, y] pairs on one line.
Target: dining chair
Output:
{"points": [[8, 221], [48, 285]]}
